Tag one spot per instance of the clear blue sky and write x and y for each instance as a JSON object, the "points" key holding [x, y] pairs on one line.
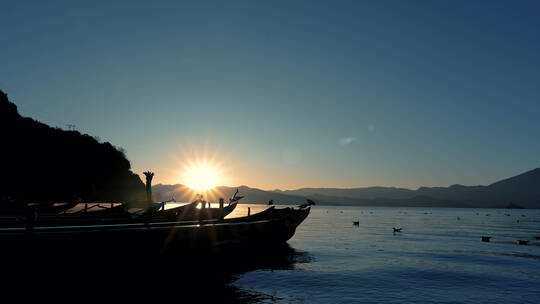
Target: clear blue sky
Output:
{"points": [[289, 93]]}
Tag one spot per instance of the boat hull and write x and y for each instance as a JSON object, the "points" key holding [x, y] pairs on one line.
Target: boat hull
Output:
{"points": [[102, 217], [152, 236]]}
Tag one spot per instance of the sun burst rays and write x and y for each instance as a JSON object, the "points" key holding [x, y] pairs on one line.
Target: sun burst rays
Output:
{"points": [[202, 171]]}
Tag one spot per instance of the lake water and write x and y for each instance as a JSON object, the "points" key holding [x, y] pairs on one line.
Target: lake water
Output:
{"points": [[437, 258]]}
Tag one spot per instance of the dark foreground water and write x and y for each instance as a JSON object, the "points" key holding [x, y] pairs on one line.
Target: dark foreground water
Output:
{"points": [[438, 258]]}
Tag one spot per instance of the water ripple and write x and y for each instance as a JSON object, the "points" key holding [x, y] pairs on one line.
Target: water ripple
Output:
{"points": [[438, 258]]}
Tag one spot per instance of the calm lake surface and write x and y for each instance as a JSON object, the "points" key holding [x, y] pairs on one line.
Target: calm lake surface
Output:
{"points": [[438, 258]]}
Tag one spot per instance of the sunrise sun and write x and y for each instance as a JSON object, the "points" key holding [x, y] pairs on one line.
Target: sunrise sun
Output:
{"points": [[202, 176]]}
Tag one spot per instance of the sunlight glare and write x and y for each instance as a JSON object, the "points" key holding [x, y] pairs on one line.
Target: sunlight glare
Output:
{"points": [[202, 176]]}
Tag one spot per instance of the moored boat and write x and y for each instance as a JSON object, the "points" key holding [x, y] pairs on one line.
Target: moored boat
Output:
{"points": [[194, 211], [12, 209], [118, 215], [266, 229]]}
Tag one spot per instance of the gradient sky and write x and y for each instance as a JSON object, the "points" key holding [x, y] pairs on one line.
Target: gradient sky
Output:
{"points": [[287, 94]]}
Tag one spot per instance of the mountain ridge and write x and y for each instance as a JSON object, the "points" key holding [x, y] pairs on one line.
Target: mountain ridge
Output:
{"points": [[521, 190]]}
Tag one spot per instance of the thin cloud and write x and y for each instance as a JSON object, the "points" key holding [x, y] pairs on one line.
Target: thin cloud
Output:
{"points": [[346, 141]]}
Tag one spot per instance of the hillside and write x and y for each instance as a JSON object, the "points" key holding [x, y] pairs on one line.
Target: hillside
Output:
{"points": [[182, 193], [522, 190], [257, 196], [45, 164], [359, 193]]}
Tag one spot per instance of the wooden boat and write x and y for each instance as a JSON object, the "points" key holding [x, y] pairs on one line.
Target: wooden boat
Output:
{"points": [[19, 208], [99, 210], [269, 228], [190, 212], [184, 214], [119, 214]]}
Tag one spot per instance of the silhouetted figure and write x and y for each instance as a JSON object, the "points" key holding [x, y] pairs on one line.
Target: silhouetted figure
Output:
{"points": [[523, 242], [249, 211], [486, 239], [356, 223], [270, 202], [397, 229]]}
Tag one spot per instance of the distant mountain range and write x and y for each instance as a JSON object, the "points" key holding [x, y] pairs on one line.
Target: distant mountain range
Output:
{"points": [[521, 190], [182, 193]]}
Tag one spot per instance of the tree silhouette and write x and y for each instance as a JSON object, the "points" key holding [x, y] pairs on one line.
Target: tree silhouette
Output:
{"points": [[45, 164], [149, 175]]}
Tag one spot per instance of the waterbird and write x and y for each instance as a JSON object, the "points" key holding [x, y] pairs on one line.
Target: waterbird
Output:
{"points": [[523, 242], [486, 238], [397, 229], [356, 223]]}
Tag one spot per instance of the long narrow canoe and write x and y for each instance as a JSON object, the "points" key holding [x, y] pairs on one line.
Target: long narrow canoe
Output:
{"points": [[18, 209], [187, 214], [190, 212], [271, 229]]}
